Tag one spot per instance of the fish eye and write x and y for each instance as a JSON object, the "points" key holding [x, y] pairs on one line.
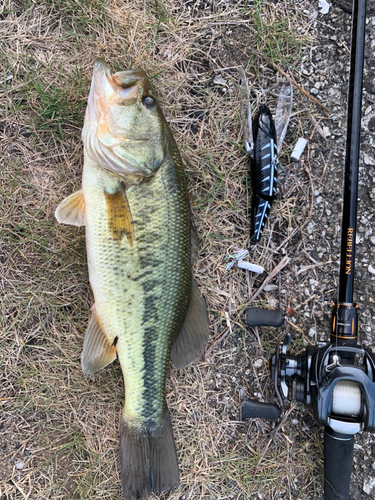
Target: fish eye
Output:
{"points": [[148, 101]]}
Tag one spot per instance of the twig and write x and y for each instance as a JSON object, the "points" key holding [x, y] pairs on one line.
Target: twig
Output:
{"points": [[305, 302], [273, 432], [222, 337], [285, 261], [318, 127], [262, 456], [301, 89], [293, 233], [306, 268]]}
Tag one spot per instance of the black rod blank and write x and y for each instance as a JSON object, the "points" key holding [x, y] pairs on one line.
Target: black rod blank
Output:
{"points": [[348, 234]]}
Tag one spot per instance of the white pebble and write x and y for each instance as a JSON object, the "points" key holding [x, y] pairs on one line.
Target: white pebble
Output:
{"points": [[369, 485], [310, 227], [258, 363], [324, 6]]}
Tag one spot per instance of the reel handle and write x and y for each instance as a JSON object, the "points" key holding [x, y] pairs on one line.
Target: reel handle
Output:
{"points": [[257, 409], [338, 456], [256, 316]]}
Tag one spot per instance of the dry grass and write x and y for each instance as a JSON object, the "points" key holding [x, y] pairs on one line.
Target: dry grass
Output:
{"points": [[59, 430]]}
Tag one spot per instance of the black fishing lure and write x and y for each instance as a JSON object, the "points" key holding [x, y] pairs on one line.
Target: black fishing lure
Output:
{"points": [[263, 170], [263, 139]]}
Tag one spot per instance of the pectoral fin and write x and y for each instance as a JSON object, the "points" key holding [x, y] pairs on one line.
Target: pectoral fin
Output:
{"points": [[192, 339], [72, 210], [119, 216], [97, 352]]}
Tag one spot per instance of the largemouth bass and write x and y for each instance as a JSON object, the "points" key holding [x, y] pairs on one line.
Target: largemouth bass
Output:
{"points": [[135, 209]]}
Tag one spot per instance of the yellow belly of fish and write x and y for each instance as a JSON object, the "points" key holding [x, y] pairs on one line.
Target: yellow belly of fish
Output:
{"points": [[141, 282]]}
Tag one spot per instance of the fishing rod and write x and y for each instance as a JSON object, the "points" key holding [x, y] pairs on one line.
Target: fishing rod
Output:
{"points": [[336, 378]]}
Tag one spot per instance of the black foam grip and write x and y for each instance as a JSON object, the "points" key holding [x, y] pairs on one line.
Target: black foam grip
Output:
{"points": [[256, 316], [256, 409], [338, 457]]}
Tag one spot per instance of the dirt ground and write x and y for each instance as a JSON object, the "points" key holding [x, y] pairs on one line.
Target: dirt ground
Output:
{"points": [[59, 430]]}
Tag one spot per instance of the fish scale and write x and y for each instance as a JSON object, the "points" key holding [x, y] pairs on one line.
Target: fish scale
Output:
{"points": [[141, 322]]}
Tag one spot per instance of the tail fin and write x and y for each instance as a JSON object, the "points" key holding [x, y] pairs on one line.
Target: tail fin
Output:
{"points": [[148, 460]]}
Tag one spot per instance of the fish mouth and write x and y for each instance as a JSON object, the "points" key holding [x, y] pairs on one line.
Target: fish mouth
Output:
{"points": [[104, 142], [124, 84]]}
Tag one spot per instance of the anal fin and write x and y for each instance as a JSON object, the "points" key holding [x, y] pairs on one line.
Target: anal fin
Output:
{"points": [[72, 210], [192, 339], [97, 351]]}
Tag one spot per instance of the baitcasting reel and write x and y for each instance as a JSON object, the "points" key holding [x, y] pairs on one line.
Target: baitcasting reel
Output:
{"points": [[336, 379], [337, 382]]}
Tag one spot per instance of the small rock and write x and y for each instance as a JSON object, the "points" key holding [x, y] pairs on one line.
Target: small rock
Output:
{"points": [[314, 91], [273, 303], [324, 6], [368, 160], [219, 80], [312, 332], [372, 239], [326, 131], [310, 228], [270, 288], [371, 269], [369, 485], [20, 465], [258, 363]]}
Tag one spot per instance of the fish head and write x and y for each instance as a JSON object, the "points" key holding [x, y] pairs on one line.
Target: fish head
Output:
{"points": [[124, 129]]}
